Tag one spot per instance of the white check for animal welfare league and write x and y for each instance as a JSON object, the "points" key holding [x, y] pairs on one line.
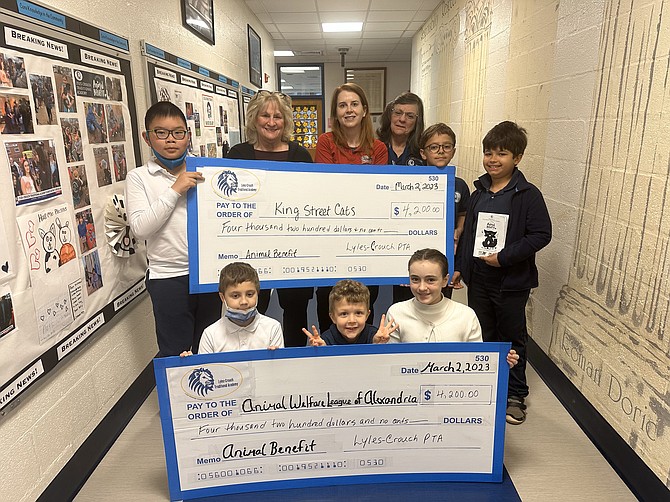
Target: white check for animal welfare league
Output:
{"points": [[398, 409], [308, 222]]}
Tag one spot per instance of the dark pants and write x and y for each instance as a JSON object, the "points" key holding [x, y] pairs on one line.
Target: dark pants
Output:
{"points": [[323, 311], [403, 293], [502, 315], [294, 302], [180, 316]]}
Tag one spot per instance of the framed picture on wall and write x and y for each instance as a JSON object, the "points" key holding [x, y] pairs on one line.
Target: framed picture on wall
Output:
{"points": [[198, 16], [255, 63], [373, 82]]}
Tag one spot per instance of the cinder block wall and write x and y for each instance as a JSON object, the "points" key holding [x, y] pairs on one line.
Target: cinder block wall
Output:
{"points": [[588, 80], [42, 433]]}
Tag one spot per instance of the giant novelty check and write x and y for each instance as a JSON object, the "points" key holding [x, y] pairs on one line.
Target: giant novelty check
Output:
{"points": [[261, 420], [313, 224]]}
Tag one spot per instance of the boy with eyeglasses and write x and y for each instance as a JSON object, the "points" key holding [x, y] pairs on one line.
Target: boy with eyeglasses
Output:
{"points": [[437, 146], [156, 206]]}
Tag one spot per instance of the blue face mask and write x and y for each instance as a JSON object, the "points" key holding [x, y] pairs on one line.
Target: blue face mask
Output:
{"points": [[170, 163], [238, 315]]}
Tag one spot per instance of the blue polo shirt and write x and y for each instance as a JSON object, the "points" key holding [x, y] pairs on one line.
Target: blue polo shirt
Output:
{"points": [[405, 159]]}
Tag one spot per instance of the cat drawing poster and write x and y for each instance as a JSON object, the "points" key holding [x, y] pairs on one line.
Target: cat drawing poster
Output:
{"points": [[490, 234]]}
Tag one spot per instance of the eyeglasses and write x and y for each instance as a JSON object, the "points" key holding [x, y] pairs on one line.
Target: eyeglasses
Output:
{"points": [[409, 115], [177, 134], [435, 147], [264, 92]]}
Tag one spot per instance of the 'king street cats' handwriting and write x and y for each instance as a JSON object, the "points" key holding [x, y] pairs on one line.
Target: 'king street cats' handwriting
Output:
{"points": [[311, 211]]}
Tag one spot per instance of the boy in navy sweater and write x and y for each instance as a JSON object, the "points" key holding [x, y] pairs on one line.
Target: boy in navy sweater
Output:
{"points": [[349, 308], [507, 222]]}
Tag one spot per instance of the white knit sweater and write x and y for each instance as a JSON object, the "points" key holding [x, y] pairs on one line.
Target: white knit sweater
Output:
{"points": [[446, 321]]}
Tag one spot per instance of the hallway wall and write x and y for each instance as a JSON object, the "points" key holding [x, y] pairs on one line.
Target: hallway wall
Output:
{"points": [[51, 421], [589, 81]]}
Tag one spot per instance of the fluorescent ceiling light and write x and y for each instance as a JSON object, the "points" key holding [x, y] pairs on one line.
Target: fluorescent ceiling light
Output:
{"points": [[284, 53], [298, 69], [287, 87], [341, 27]]}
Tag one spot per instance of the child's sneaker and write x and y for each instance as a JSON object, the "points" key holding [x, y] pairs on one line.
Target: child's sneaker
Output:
{"points": [[516, 410]]}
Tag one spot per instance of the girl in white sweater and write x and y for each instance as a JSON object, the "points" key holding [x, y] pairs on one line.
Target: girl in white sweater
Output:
{"points": [[429, 316]]}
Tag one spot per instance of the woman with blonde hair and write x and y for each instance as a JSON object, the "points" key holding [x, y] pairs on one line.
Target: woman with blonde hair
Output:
{"points": [[269, 126]]}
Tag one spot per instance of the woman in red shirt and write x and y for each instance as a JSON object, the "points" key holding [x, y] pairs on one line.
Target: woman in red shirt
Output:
{"points": [[351, 139]]}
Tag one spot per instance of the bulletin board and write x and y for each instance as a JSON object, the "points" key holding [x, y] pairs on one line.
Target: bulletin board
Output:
{"points": [[210, 101], [247, 95], [68, 135]]}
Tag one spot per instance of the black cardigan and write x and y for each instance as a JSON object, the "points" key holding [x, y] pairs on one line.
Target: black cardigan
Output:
{"points": [[245, 151]]}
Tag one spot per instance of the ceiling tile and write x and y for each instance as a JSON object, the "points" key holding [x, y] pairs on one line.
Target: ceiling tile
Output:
{"points": [[378, 15], [308, 45], [393, 5], [382, 34], [422, 15], [294, 17], [290, 5], [397, 26], [342, 17], [335, 43], [263, 17], [306, 27], [341, 36], [379, 42], [342, 5], [301, 36]]}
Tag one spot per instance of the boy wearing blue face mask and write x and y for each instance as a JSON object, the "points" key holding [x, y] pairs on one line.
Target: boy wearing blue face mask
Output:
{"points": [[156, 207], [242, 327]]}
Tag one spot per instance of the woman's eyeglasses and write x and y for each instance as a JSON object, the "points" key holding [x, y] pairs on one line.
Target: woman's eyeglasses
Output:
{"points": [[177, 134], [435, 147], [409, 115], [264, 92]]}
